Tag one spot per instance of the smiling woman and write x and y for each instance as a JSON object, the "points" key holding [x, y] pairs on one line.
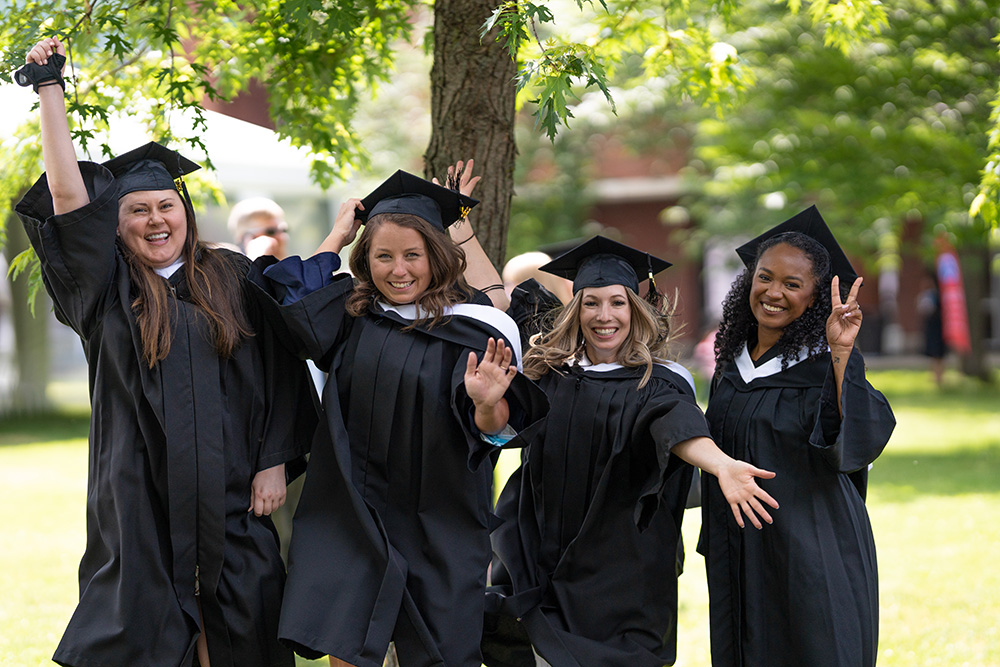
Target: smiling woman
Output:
{"points": [[194, 411], [790, 395], [153, 225], [591, 520], [423, 386]]}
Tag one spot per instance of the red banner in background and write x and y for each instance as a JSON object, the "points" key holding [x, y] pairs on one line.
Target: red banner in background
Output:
{"points": [[954, 316]]}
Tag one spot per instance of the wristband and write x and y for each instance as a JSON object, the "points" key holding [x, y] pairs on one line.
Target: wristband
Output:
{"points": [[35, 75]]}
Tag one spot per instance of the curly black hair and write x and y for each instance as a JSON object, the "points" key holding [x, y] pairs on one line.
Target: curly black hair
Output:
{"points": [[808, 332]]}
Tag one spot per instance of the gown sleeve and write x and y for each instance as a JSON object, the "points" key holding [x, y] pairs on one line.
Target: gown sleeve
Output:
{"points": [[850, 444], [532, 307], [304, 301], [672, 416], [293, 405], [77, 249]]}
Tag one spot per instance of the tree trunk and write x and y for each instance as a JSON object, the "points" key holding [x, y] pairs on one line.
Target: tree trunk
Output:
{"points": [[975, 262], [472, 114], [31, 336]]}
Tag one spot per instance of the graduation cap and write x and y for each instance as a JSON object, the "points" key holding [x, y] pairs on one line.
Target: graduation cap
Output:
{"points": [[150, 167], [810, 223], [405, 193], [600, 262]]}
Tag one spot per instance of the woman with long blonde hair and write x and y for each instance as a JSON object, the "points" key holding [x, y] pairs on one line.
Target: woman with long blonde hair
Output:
{"points": [[584, 572]]}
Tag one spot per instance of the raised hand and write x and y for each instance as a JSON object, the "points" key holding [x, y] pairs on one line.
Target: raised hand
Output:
{"points": [[345, 227], [460, 177], [738, 481], [487, 381], [40, 52], [844, 323]]}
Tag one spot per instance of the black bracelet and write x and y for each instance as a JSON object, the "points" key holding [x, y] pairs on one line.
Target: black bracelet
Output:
{"points": [[471, 236], [491, 288]]}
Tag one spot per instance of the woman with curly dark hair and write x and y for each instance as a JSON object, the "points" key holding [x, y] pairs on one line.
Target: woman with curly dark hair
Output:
{"points": [[790, 395], [391, 537], [586, 554]]}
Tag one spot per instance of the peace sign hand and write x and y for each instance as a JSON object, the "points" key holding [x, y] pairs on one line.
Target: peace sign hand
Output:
{"points": [[844, 323]]}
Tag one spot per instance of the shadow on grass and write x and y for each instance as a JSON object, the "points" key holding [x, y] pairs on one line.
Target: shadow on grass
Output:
{"points": [[49, 427], [900, 477]]}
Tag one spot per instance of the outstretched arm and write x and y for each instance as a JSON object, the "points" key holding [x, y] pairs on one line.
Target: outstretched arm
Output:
{"points": [[480, 272], [62, 171], [842, 329], [737, 479]]}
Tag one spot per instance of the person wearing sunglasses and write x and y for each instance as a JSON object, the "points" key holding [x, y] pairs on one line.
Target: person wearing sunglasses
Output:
{"points": [[258, 226]]}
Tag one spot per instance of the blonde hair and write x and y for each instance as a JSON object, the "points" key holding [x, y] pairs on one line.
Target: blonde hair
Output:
{"points": [[649, 339]]}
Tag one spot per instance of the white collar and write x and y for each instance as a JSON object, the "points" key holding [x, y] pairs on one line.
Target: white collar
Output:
{"points": [[749, 372], [168, 271], [497, 319], [588, 366]]}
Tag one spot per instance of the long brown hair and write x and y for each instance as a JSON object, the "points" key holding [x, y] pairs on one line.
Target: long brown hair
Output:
{"points": [[446, 260], [214, 287], [649, 339]]}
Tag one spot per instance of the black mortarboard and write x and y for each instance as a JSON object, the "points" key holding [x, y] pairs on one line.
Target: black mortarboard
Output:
{"points": [[600, 262], [810, 223], [149, 167], [405, 193]]}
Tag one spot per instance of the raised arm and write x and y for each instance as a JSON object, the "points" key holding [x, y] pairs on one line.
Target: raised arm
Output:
{"points": [[345, 228], [62, 171], [480, 272], [842, 329]]}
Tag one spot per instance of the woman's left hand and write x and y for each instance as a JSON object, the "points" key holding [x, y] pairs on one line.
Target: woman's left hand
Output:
{"points": [[487, 381], [845, 316], [267, 493]]}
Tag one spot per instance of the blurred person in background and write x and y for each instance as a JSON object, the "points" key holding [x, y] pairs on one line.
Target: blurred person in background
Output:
{"points": [[258, 227]]}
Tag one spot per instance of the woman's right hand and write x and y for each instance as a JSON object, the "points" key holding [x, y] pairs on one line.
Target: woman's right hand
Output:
{"points": [[40, 52]]}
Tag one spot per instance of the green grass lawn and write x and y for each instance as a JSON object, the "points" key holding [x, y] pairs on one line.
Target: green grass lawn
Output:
{"points": [[932, 496]]}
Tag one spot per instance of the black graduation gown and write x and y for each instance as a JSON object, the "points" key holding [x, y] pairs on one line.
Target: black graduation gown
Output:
{"points": [[173, 452], [391, 536], [804, 590], [586, 554]]}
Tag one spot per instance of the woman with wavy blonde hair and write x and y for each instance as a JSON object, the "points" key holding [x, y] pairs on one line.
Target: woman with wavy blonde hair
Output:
{"points": [[648, 340], [591, 520]]}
